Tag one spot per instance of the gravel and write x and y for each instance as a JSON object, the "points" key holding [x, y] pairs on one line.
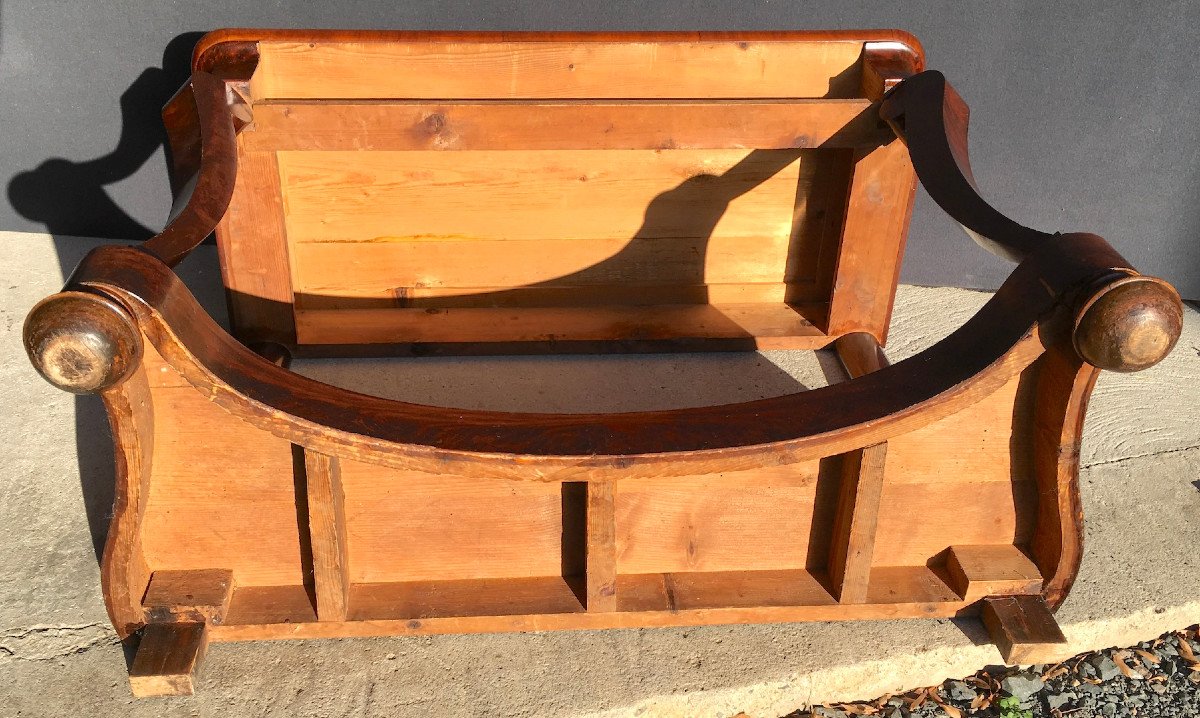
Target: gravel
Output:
{"points": [[1154, 679]]}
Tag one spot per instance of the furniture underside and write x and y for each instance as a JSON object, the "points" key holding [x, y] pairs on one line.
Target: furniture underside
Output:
{"points": [[942, 516]]}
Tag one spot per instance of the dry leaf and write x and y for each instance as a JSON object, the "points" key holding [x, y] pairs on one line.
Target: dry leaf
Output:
{"points": [[1119, 659], [976, 702], [1054, 673], [951, 711], [1185, 650], [1148, 657]]}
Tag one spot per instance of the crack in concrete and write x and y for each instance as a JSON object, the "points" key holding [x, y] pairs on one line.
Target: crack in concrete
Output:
{"points": [[1149, 454], [47, 643]]}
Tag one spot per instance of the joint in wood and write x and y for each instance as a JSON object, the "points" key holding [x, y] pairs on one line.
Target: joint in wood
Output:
{"points": [[200, 596], [990, 570]]}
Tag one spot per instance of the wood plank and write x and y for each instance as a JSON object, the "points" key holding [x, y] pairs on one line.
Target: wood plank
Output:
{"points": [[719, 589], [559, 125], [873, 238], [329, 539], [418, 600], [206, 504], [601, 575], [523, 69], [767, 326], [908, 585], [991, 570], [260, 605], [919, 521], [252, 243], [987, 441], [409, 526], [852, 547], [167, 659], [366, 296], [715, 524], [1023, 629], [359, 196], [201, 595]]}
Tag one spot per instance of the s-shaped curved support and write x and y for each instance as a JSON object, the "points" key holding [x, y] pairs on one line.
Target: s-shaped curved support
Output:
{"points": [[1124, 321]]}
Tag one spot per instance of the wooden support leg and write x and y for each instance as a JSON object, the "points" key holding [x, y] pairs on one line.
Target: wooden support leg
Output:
{"points": [[601, 547], [1023, 628], [167, 659]]}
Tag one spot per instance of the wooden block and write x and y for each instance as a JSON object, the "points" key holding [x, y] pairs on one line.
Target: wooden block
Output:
{"points": [[1023, 628], [853, 545], [194, 596], [601, 547], [167, 659], [327, 529], [991, 570]]}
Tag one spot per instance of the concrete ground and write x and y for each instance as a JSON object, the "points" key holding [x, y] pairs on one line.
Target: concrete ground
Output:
{"points": [[59, 656]]}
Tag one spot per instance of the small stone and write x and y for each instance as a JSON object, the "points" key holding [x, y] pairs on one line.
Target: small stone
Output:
{"points": [[1105, 667], [1158, 688], [831, 712], [961, 691], [1057, 701], [1022, 686], [390, 656], [1090, 689], [1108, 709]]}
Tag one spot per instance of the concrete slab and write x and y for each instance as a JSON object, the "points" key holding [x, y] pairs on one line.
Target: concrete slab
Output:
{"points": [[58, 656]]}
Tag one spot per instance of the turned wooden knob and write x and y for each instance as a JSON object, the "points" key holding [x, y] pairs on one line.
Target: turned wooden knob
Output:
{"points": [[1129, 324], [82, 343]]}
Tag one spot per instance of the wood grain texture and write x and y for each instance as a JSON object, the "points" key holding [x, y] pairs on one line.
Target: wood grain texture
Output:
{"points": [[167, 659], [852, 545], [1023, 629], [373, 125], [601, 551], [329, 538], [200, 595], [434, 68], [989, 570]]}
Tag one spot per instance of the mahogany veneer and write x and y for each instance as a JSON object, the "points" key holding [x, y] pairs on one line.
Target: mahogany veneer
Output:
{"points": [[414, 193]]}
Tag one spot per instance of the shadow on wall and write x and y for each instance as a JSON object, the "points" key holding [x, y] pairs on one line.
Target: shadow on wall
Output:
{"points": [[70, 199]]}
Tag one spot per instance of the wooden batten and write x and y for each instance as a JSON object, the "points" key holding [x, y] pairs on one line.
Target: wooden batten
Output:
{"points": [[601, 572], [990, 570], [1024, 630], [853, 544], [200, 595], [327, 532]]}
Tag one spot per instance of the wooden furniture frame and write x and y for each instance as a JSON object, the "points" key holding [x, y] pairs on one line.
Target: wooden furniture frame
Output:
{"points": [[401, 193]]}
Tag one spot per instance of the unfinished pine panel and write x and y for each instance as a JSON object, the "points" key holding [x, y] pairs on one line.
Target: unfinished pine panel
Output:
{"points": [[204, 504], [707, 524], [662, 69], [765, 326], [561, 125], [465, 597], [736, 589], [410, 526]]}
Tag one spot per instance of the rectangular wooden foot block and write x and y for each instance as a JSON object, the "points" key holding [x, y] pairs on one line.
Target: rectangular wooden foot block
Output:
{"points": [[1023, 628], [167, 659]]}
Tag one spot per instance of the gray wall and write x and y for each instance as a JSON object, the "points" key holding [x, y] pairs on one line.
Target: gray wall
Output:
{"points": [[1084, 115]]}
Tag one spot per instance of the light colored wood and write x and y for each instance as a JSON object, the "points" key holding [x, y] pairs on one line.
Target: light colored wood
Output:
{"points": [[328, 535], [252, 244], [706, 524], [327, 125], [601, 574], [207, 504], [908, 585], [873, 238], [519, 69], [852, 545], [1024, 630], [919, 521], [419, 600], [167, 659], [987, 441], [765, 326], [991, 570], [201, 595], [406, 526], [719, 589]]}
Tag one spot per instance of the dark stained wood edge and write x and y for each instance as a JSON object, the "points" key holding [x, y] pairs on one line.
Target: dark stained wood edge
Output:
{"points": [[225, 50], [202, 143], [885, 64], [124, 573], [1023, 629], [1064, 384], [981, 356], [931, 118]]}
